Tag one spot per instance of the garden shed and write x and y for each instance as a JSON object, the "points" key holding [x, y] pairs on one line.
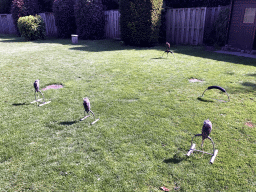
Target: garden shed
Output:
{"points": [[242, 27]]}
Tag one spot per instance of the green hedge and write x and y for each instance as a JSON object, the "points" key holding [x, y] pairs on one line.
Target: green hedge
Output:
{"points": [[89, 19], [64, 17], [140, 21], [32, 27]]}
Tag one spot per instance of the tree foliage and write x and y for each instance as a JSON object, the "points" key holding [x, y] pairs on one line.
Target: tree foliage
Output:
{"points": [[89, 19], [140, 21], [110, 4], [64, 17], [5, 6], [21, 8], [45, 5]]}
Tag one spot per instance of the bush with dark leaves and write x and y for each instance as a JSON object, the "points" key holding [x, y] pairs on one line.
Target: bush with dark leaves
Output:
{"points": [[140, 21], [64, 17], [89, 19]]}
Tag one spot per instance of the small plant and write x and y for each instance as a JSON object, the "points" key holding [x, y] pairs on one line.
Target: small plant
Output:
{"points": [[32, 27]]}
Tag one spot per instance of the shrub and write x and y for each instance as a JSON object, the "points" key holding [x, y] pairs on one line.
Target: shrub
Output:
{"points": [[21, 8], [140, 21], [89, 19], [32, 27], [221, 27], [64, 17]]}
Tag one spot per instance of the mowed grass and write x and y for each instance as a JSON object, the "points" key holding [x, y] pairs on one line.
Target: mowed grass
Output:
{"points": [[148, 110]]}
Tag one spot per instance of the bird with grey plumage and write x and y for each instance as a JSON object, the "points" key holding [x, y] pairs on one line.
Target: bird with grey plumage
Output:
{"points": [[87, 106], [87, 109], [37, 91], [206, 130], [36, 86]]}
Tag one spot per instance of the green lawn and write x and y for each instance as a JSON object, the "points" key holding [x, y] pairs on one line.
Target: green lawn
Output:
{"points": [[148, 110]]}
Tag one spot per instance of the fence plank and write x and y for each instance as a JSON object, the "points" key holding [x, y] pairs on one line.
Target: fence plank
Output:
{"points": [[112, 27]]}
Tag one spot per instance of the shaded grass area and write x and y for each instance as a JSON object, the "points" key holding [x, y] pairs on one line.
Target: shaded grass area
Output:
{"points": [[148, 113]]}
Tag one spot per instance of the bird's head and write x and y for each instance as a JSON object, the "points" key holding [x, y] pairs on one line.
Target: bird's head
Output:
{"points": [[85, 99], [208, 122]]}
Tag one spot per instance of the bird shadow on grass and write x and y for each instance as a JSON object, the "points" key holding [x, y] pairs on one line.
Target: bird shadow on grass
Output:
{"points": [[159, 58], [177, 158], [204, 100], [19, 104], [67, 123]]}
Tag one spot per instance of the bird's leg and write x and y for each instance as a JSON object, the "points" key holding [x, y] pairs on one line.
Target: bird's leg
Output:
{"points": [[35, 95], [202, 147], [93, 114], [42, 95], [202, 143]]}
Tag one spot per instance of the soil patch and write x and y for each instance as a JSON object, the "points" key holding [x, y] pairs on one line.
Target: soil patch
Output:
{"points": [[249, 124], [195, 80], [52, 87]]}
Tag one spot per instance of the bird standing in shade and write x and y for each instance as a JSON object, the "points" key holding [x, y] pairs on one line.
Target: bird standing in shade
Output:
{"points": [[206, 130]]}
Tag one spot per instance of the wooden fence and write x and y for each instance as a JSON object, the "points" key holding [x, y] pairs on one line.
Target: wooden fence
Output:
{"points": [[190, 25], [6, 24], [51, 29], [183, 26], [112, 27]]}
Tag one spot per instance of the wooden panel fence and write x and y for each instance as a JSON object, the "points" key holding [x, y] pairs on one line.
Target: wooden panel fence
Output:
{"points": [[112, 27], [185, 25], [6, 24], [51, 29], [190, 25]]}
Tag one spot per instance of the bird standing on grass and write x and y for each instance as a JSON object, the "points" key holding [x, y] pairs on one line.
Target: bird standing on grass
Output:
{"points": [[36, 85], [206, 130], [168, 49], [87, 106]]}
